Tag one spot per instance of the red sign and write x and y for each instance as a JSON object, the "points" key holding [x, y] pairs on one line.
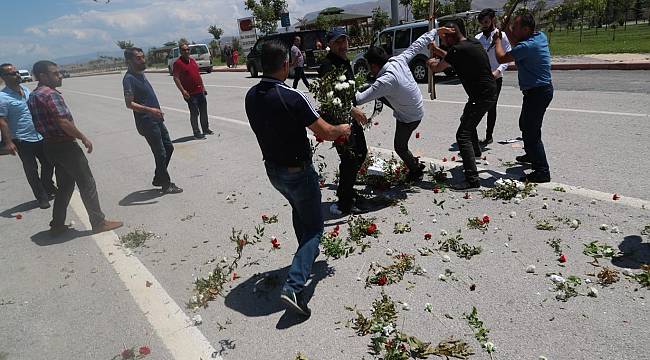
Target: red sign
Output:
{"points": [[246, 25]]}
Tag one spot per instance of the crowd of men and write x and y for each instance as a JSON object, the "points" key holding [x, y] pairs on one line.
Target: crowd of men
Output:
{"points": [[40, 127]]}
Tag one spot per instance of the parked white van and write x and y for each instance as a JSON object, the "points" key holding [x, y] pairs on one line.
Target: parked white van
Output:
{"points": [[25, 76], [199, 52]]}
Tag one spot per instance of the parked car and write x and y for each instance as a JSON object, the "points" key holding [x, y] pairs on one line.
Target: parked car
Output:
{"points": [[199, 52], [25, 76], [310, 39]]}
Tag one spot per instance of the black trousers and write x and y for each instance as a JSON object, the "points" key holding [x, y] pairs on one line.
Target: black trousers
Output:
{"points": [[492, 113], [41, 185], [352, 157], [403, 133], [467, 137], [72, 168], [198, 106], [299, 74], [157, 136]]}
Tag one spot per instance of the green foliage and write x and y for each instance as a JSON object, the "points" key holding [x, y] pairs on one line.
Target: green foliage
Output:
{"points": [[480, 331], [598, 251], [380, 19], [135, 238], [393, 273], [124, 44], [327, 22], [545, 225], [267, 13], [462, 250], [215, 32]]}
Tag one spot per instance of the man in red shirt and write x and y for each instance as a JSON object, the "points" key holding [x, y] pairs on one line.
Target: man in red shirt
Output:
{"points": [[189, 82]]}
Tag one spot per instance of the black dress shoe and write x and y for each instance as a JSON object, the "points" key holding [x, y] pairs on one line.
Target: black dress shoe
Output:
{"points": [[43, 204], [487, 141], [465, 186], [524, 159], [536, 177], [208, 132], [199, 136]]}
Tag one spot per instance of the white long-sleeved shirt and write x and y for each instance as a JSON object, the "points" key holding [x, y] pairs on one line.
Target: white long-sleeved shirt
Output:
{"points": [[395, 82], [486, 41]]}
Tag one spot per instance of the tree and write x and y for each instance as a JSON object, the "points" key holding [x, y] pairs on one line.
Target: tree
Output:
{"points": [[327, 22], [170, 44], [407, 4], [380, 19], [302, 21], [124, 44], [215, 32], [462, 5], [267, 13]]}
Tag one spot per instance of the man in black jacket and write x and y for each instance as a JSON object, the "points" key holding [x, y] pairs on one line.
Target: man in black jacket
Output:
{"points": [[352, 154]]}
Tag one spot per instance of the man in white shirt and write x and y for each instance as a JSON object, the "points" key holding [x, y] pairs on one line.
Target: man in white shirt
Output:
{"points": [[395, 83], [487, 20]]}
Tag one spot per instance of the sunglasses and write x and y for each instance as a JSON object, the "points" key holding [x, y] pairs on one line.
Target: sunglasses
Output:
{"points": [[15, 73]]}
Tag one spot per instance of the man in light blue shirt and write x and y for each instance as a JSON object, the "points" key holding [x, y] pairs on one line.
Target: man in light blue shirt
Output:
{"points": [[396, 85], [19, 135], [531, 54], [487, 20]]}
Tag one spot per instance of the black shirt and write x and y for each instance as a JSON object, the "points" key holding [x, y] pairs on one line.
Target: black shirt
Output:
{"points": [[278, 116], [471, 63], [333, 61]]}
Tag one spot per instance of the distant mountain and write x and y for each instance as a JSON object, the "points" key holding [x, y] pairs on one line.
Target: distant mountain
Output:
{"points": [[80, 59]]}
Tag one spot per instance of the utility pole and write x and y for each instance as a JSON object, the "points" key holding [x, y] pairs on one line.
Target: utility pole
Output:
{"points": [[394, 12]]}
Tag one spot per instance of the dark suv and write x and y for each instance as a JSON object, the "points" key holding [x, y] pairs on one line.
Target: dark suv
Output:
{"points": [[310, 39]]}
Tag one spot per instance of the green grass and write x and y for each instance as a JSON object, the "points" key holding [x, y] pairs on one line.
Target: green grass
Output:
{"points": [[635, 39]]}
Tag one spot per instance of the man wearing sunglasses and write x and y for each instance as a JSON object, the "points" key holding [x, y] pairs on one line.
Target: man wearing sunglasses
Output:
{"points": [[20, 136]]}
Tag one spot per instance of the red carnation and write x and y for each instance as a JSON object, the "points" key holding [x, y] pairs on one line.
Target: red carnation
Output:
{"points": [[264, 217], [417, 135], [322, 184], [616, 197], [318, 139], [444, 159], [466, 196], [484, 157], [376, 123], [372, 228], [427, 236], [562, 258], [486, 219], [144, 350], [382, 280], [436, 189], [235, 276], [241, 242], [19, 216], [275, 243], [453, 158]]}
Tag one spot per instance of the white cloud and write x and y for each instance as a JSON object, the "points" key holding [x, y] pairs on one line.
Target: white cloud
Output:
{"points": [[146, 23]]}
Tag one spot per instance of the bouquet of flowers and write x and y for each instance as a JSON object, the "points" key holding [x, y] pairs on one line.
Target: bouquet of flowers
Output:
{"points": [[335, 95]]}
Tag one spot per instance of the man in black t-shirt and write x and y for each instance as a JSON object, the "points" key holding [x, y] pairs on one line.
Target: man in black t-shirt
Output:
{"points": [[471, 63], [352, 154], [278, 116]]}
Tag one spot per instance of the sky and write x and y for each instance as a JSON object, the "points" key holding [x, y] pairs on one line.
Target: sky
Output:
{"points": [[51, 29]]}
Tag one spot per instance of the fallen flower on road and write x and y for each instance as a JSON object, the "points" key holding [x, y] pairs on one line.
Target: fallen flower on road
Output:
{"points": [[616, 197], [19, 216], [144, 350], [427, 236], [562, 258], [417, 135]]}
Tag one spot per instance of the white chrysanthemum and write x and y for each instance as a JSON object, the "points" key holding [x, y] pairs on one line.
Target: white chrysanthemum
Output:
{"points": [[351, 82], [330, 94], [342, 78], [345, 85], [338, 87], [489, 347], [337, 102], [388, 329]]}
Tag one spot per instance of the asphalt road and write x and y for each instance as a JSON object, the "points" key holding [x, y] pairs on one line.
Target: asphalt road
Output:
{"points": [[80, 296]]}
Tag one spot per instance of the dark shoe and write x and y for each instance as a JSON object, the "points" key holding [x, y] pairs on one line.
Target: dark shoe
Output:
{"points": [[58, 229], [536, 177], [487, 141], [208, 132], [417, 174], [524, 159], [156, 183], [199, 136], [172, 189], [107, 225], [43, 204], [295, 301], [465, 186], [354, 210]]}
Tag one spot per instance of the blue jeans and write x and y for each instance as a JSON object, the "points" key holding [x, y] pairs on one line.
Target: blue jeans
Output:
{"points": [[157, 136], [536, 100], [300, 187]]}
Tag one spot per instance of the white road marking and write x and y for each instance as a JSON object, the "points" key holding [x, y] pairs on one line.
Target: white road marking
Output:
{"points": [[583, 111], [175, 329], [576, 190]]}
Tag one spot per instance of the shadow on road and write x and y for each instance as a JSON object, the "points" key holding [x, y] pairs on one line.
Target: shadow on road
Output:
{"points": [[635, 253], [185, 139], [11, 213], [260, 294], [141, 197], [44, 238]]}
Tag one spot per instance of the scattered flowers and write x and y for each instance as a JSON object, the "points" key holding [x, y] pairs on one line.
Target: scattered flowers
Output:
{"points": [[507, 189], [616, 197], [427, 236], [479, 223], [400, 228], [19, 216], [394, 273], [607, 276], [562, 258], [461, 249], [269, 219], [480, 331], [275, 243]]}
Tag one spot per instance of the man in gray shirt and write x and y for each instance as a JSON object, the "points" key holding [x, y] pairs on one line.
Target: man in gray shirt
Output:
{"points": [[298, 63], [398, 89]]}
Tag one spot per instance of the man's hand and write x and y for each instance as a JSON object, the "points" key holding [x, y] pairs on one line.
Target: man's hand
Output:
{"points": [[87, 144], [157, 113], [445, 30], [346, 129], [431, 63], [496, 36], [11, 147], [496, 73], [186, 95], [359, 116], [205, 92]]}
